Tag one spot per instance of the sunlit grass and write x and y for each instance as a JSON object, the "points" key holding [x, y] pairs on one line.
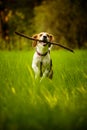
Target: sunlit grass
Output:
{"points": [[60, 103]]}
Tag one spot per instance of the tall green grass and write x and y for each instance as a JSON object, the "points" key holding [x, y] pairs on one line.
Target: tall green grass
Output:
{"points": [[57, 104]]}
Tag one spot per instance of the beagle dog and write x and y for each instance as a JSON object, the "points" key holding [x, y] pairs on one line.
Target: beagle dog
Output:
{"points": [[42, 63]]}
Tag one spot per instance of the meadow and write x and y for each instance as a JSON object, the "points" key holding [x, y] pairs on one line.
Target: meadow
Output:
{"points": [[57, 104]]}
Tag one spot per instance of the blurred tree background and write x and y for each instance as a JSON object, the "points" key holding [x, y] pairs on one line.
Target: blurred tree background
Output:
{"points": [[65, 19]]}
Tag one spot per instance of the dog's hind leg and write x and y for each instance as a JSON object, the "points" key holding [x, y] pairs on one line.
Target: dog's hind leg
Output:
{"points": [[41, 69], [51, 70]]}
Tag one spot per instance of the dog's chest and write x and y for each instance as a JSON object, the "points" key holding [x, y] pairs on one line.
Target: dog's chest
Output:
{"points": [[42, 60], [44, 65], [45, 61]]}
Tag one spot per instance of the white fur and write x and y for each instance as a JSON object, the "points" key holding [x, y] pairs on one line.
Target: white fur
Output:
{"points": [[37, 59]]}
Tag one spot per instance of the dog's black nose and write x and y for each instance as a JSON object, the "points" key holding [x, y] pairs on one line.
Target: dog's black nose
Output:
{"points": [[45, 38]]}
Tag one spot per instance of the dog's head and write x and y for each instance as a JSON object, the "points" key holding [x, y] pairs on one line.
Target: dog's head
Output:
{"points": [[45, 37]]}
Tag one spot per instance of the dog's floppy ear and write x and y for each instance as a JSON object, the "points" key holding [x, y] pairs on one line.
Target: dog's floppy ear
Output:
{"points": [[34, 43], [51, 37]]}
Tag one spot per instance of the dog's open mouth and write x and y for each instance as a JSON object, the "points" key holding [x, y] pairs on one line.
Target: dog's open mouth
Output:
{"points": [[43, 43]]}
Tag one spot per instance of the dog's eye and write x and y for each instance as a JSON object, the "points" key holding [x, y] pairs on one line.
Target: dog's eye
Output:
{"points": [[40, 34], [47, 35]]}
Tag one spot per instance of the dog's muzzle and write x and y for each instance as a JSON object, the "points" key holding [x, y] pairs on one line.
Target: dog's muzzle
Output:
{"points": [[44, 41]]}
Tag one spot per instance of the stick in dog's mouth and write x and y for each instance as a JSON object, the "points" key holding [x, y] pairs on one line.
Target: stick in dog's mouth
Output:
{"points": [[53, 43]]}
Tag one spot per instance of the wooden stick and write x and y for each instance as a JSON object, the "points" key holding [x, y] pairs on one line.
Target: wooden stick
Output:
{"points": [[53, 43]]}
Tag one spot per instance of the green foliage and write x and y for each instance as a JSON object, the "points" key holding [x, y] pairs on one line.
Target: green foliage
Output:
{"points": [[60, 103], [65, 19]]}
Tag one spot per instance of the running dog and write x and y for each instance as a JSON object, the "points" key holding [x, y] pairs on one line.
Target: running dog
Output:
{"points": [[42, 63]]}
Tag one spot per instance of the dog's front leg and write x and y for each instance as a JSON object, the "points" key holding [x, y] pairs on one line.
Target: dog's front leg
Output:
{"points": [[36, 71], [45, 74]]}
